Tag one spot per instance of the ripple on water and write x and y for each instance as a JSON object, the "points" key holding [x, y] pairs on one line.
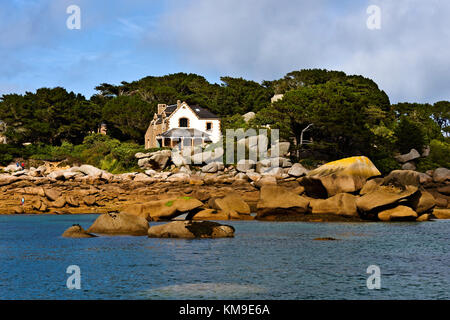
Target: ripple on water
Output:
{"points": [[204, 291]]}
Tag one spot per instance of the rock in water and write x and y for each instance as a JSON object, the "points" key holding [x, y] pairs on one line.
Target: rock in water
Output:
{"points": [[400, 213], [441, 213], [383, 196], [191, 230], [164, 209], [345, 175], [423, 202], [119, 224], [76, 231], [276, 200]]}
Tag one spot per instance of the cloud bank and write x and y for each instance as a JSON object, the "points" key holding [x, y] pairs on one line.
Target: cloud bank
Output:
{"points": [[409, 57]]}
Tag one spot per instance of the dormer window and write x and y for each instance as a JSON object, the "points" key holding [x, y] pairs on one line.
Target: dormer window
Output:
{"points": [[183, 123]]}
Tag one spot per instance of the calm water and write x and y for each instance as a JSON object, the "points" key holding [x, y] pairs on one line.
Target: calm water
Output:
{"points": [[264, 261]]}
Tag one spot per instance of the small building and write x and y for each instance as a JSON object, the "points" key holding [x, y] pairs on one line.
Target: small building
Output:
{"points": [[183, 125]]}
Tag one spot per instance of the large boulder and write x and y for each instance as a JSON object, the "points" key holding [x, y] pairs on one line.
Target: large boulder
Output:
{"points": [[277, 200], [441, 175], [248, 116], [399, 213], [245, 165], [178, 159], [210, 214], [345, 175], [157, 160], [411, 155], [76, 231], [371, 185], [266, 180], [279, 149], [89, 170], [441, 213], [231, 205], [297, 170], [165, 209], [191, 230], [409, 166], [343, 204], [384, 196], [213, 167], [119, 224], [402, 178], [422, 202]]}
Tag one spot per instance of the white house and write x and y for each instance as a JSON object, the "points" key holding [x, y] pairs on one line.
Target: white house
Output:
{"points": [[182, 124]]}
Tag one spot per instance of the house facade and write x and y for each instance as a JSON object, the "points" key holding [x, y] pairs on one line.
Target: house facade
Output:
{"points": [[182, 125]]}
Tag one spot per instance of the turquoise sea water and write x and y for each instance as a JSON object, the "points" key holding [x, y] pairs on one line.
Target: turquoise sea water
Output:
{"points": [[265, 260]]}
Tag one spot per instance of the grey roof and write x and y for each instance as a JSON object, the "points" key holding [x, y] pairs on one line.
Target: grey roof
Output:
{"points": [[185, 133], [201, 113]]}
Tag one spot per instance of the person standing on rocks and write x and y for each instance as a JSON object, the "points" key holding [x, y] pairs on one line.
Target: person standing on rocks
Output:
{"points": [[22, 201]]}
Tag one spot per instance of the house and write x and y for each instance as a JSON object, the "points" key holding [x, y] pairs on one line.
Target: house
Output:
{"points": [[182, 125]]}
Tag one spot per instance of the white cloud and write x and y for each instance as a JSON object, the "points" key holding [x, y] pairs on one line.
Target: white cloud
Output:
{"points": [[408, 57]]}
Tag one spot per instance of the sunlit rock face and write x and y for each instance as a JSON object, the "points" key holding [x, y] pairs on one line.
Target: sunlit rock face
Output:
{"points": [[344, 175]]}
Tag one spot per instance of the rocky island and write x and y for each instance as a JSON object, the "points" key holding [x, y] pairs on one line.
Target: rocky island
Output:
{"points": [[350, 189]]}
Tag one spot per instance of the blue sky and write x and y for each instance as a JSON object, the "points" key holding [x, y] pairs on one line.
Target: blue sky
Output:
{"points": [[409, 57]]}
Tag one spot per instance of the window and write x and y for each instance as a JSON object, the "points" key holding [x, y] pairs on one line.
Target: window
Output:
{"points": [[184, 122], [208, 126]]}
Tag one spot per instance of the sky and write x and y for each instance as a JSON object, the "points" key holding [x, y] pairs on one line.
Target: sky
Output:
{"points": [[408, 56]]}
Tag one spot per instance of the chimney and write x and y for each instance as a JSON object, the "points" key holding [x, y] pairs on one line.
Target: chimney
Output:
{"points": [[178, 103], [161, 108]]}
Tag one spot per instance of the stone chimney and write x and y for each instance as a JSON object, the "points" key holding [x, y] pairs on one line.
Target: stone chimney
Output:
{"points": [[161, 108], [178, 103]]}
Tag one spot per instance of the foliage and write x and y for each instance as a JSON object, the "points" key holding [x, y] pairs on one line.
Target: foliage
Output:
{"points": [[409, 135], [48, 116], [439, 156], [98, 150], [344, 112]]}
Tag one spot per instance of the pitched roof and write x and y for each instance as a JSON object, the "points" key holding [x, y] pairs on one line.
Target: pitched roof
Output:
{"points": [[201, 113]]}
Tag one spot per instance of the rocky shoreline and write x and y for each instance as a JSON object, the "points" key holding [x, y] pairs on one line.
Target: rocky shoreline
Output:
{"points": [[350, 189]]}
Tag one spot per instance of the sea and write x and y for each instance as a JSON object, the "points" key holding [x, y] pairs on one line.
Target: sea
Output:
{"points": [[265, 260]]}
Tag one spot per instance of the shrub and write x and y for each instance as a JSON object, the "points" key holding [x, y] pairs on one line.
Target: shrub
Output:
{"points": [[439, 156], [386, 165]]}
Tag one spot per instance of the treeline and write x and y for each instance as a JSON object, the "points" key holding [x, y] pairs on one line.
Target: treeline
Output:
{"points": [[346, 115]]}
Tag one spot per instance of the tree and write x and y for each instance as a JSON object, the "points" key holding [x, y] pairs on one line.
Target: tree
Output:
{"points": [[48, 116], [347, 114], [409, 135], [128, 117], [441, 115]]}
